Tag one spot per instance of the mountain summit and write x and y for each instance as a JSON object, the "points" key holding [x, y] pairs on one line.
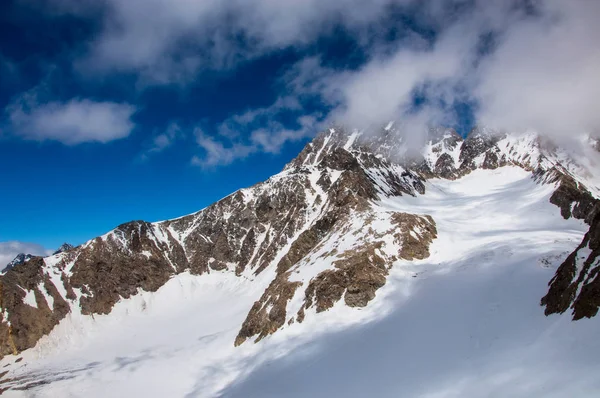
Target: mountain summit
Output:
{"points": [[19, 259], [324, 236], [65, 247]]}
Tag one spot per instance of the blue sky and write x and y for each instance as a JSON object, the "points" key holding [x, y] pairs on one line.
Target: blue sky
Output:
{"points": [[115, 110]]}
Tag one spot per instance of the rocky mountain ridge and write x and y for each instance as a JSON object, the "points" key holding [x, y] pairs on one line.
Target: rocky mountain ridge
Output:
{"points": [[314, 232], [19, 259]]}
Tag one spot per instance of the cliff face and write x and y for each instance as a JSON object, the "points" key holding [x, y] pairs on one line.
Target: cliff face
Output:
{"points": [[315, 231], [32, 306], [576, 284]]}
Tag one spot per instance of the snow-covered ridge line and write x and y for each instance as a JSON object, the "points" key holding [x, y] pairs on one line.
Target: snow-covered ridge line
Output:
{"points": [[517, 148]]}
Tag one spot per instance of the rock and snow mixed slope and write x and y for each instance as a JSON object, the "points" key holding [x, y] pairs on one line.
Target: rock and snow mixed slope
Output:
{"points": [[347, 233], [19, 259]]}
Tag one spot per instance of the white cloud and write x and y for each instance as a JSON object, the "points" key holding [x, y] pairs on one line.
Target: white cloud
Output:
{"points": [[216, 153], [235, 124], [162, 141], [239, 137], [166, 139], [545, 74], [72, 122], [383, 89], [273, 138], [10, 249], [167, 41], [540, 73]]}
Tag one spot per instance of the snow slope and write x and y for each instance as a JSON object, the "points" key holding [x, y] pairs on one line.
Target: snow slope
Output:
{"points": [[465, 322]]}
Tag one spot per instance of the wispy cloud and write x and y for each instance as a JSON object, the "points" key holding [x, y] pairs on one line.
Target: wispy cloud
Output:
{"points": [[72, 122], [253, 131], [164, 140], [216, 153]]}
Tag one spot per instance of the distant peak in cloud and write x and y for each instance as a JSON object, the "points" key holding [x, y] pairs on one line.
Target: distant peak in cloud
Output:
{"points": [[9, 250]]}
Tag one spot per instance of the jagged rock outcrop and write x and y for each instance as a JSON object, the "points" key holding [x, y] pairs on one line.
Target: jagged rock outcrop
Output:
{"points": [[269, 313], [360, 272], [65, 247], [576, 284], [450, 157], [32, 306], [479, 142], [356, 277], [105, 272], [574, 200]]}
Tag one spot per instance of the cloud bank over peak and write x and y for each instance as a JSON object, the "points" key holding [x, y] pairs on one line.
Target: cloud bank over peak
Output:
{"points": [[543, 74], [522, 70], [519, 65]]}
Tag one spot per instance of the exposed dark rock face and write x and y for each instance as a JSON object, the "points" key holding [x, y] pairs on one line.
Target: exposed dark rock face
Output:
{"points": [[595, 142], [306, 242], [443, 143], [415, 234], [477, 143], [574, 200], [26, 324], [109, 271], [492, 161], [70, 293], [269, 313], [358, 274], [479, 150], [576, 284], [444, 167]]}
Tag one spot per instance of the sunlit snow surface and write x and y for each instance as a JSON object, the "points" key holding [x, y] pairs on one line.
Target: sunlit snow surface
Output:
{"points": [[466, 322]]}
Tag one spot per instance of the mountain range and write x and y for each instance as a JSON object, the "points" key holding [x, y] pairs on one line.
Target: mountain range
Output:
{"points": [[318, 247]]}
